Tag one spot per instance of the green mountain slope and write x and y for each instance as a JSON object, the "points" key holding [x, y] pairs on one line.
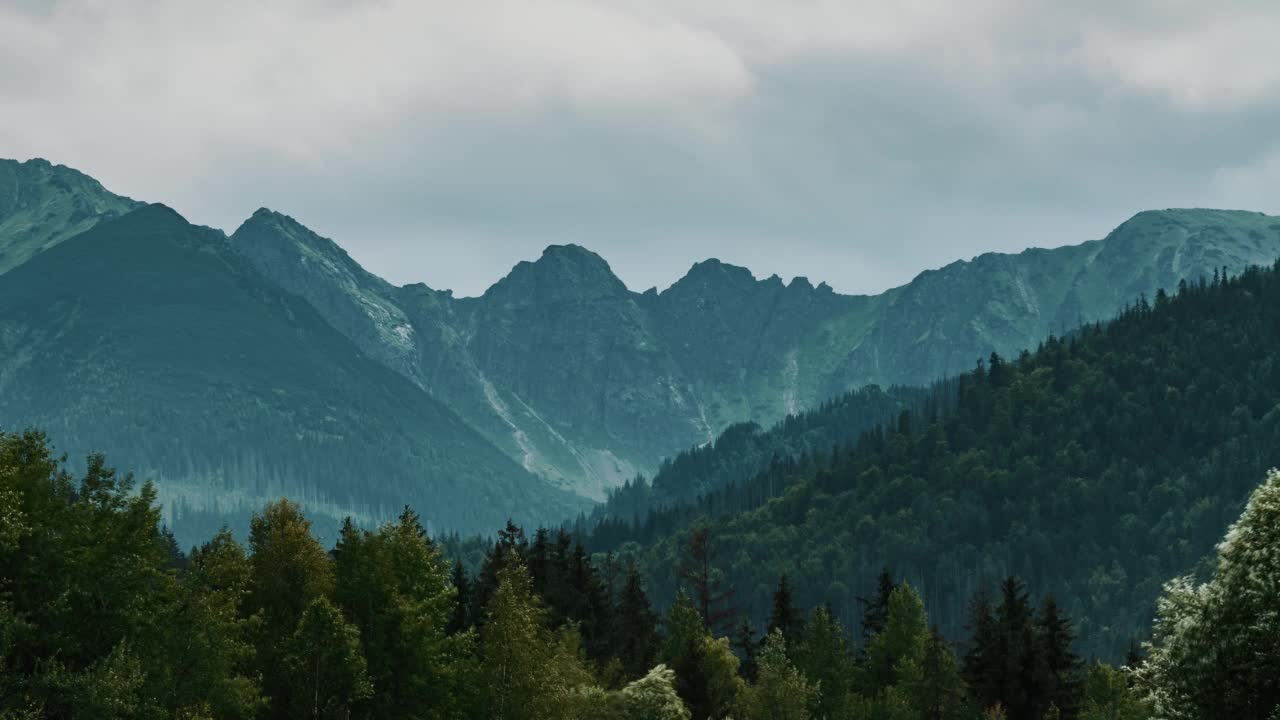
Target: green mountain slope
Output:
{"points": [[1095, 469], [151, 339], [586, 383], [42, 204]]}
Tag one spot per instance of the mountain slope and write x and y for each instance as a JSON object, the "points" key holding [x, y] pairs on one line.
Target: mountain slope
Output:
{"points": [[1095, 469], [42, 204], [153, 340], [587, 383]]}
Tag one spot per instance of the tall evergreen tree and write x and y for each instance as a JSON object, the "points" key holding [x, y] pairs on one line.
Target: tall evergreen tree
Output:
{"points": [[705, 581], [822, 653], [785, 616], [1015, 672], [982, 667], [1063, 680], [875, 610], [460, 618], [902, 641], [744, 640], [635, 627]]}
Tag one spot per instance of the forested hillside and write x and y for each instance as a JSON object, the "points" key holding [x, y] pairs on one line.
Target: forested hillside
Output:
{"points": [[1095, 468], [744, 450], [103, 618]]}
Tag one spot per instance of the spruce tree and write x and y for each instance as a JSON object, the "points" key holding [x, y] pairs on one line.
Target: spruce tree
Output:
{"points": [[1063, 669], [875, 610], [460, 618], [822, 653], [744, 640], [785, 617], [981, 666], [635, 627]]}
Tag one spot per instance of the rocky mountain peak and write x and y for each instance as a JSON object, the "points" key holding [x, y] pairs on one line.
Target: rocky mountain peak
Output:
{"points": [[562, 272]]}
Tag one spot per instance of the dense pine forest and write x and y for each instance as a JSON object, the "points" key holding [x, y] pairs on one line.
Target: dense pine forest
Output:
{"points": [[101, 616], [1094, 468]]}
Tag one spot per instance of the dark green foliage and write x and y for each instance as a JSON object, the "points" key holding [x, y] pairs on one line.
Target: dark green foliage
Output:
{"points": [[786, 618], [1095, 468], [95, 622], [875, 611], [460, 618], [635, 627]]}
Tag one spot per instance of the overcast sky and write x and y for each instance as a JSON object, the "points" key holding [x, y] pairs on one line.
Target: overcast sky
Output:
{"points": [[853, 142]]}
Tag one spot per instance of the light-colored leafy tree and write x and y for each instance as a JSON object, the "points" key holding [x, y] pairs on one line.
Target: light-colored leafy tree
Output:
{"points": [[326, 670], [823, 655], [1107, 696], [654, 697], [780, 692], [901, 643], [1214, 651], [933, 684], [528, 672]]}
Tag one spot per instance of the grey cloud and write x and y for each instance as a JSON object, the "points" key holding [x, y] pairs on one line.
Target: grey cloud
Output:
{"points": [[847, 142]]}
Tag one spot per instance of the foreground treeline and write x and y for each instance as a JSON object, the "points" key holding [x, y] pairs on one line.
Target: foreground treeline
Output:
{"points": [[101, 617], [1095, 469]]}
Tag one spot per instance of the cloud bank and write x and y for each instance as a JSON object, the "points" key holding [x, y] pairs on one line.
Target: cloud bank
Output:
{"points": [[851, 142]]}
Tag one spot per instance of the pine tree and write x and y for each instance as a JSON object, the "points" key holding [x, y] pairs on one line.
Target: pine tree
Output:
{"points": [[510, 548], [635, 628], [460, 618], [697, 569], [785, 617], [981, 667], [902, 640], [1015, 663], [1063, 669], [875, 611], [744, 640], [822, 653], [933, 685]]}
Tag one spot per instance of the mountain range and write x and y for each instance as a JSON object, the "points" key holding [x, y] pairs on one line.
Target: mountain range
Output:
{"points": [[272, 363]]}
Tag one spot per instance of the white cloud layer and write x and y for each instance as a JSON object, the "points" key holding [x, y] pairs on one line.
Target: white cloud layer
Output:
{"points": [[853, 142]]}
